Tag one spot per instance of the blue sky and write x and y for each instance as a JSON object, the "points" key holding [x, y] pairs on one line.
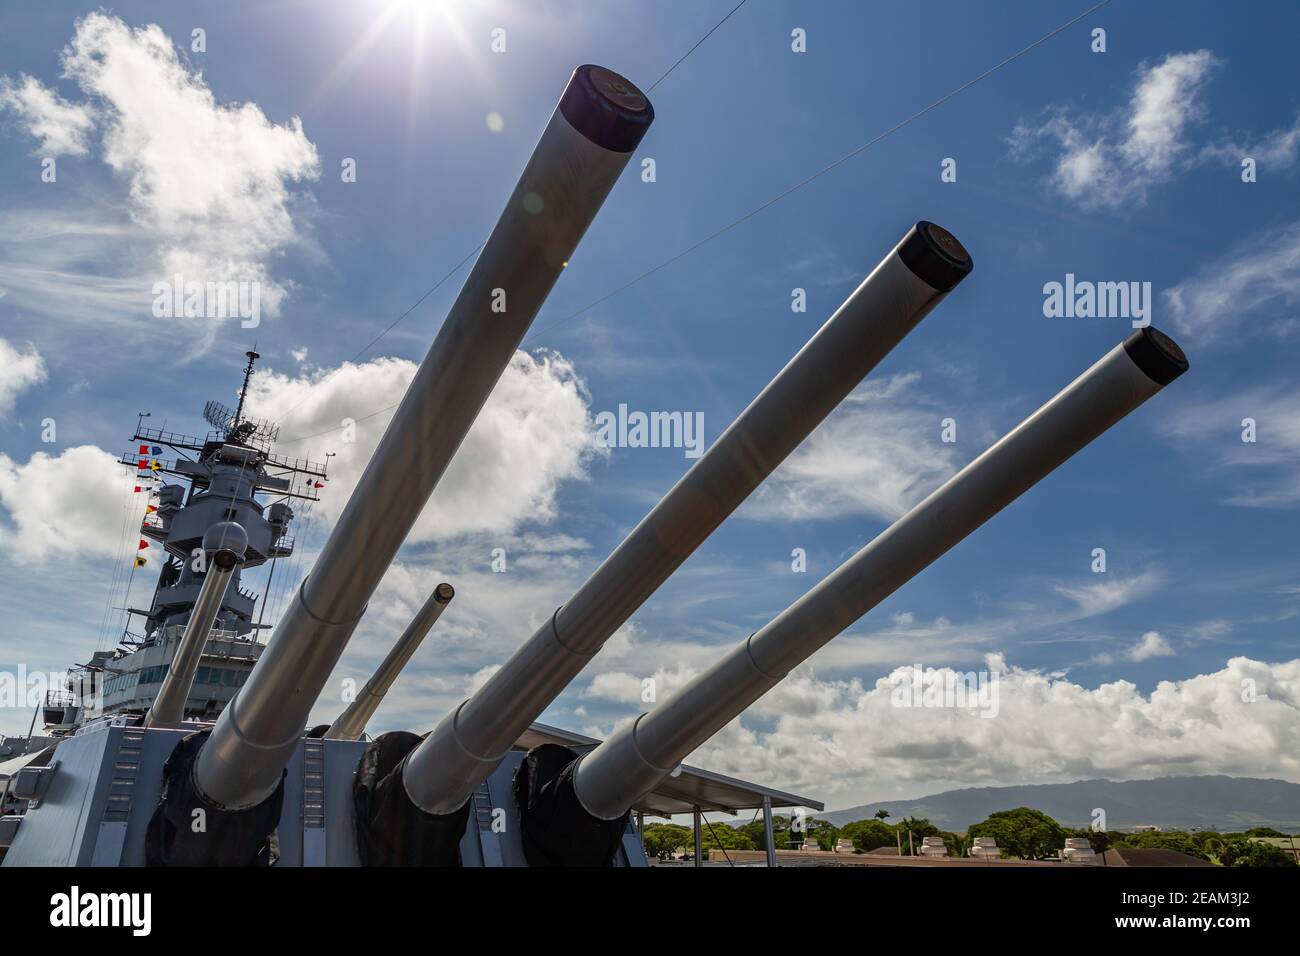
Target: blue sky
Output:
{"points": [[1114, 166]]}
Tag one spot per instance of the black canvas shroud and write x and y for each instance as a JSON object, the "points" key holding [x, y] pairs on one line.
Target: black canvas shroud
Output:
{"points": [[391, 829], [555, 827], [229, 837]]}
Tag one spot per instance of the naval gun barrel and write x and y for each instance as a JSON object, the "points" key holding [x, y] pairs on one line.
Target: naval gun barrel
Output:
{"points": [[353, 720], [471, 741], [224, 544], [600, 119], [610, 779]]}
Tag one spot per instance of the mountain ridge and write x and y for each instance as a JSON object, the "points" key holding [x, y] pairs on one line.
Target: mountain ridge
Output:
{"points": [[1212, 801]]}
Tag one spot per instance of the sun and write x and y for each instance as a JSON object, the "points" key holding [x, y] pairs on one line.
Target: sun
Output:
{"points": [[418, 24]]}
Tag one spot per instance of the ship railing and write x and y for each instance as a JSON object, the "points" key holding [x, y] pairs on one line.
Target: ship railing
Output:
{"points": [[222, 642], [60, 698], [302, 465], [175, 439]]}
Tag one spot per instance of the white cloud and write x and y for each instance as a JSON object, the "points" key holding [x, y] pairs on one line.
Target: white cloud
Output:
{"points": [[209, 178], [1114, 159], [632, 689], [1277, 149], [206, 187], [1108, 593], [65, 506], [877, 454], [19, 370], [1255, 288], [840, 741], [1152, 645], [62, 127], [534, 433], [1164, 103]]}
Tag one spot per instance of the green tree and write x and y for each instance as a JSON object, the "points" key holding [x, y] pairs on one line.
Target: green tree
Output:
{"points": [[1169, 840], [756, 832], [728, 838], [868, 835], [1251, 853], [1264, 832], [1023, 832], [663, 839]]}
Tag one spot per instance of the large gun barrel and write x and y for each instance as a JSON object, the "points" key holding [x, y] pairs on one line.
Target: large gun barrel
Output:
{"points": [[600, 119], [353, 720], [224, 545], [609, 779], [470, 742]]}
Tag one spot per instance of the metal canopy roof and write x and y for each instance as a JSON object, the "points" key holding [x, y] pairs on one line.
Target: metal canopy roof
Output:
{"points": [[681, 794]]}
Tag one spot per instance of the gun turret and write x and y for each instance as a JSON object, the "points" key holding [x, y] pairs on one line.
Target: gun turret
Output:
{"points": [[607, 781], [353, 720], [469, 743], [224, 545]]}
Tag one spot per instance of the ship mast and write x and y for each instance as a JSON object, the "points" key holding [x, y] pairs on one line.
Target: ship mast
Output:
{"points": [[243, 392]]}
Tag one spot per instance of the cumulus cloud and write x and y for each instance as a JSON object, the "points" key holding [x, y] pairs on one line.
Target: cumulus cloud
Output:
{"points": [[1252, 290], [64, 506], [631, 689], [19, 370], [1264, 473], [1114, 159], [840, 740], [61, 127], [1152, 644], [878, 454], [534, 433]]}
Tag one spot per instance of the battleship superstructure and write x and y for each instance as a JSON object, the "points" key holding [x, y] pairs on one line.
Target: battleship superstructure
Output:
{"points": [[487, 786], [192, 485]]}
